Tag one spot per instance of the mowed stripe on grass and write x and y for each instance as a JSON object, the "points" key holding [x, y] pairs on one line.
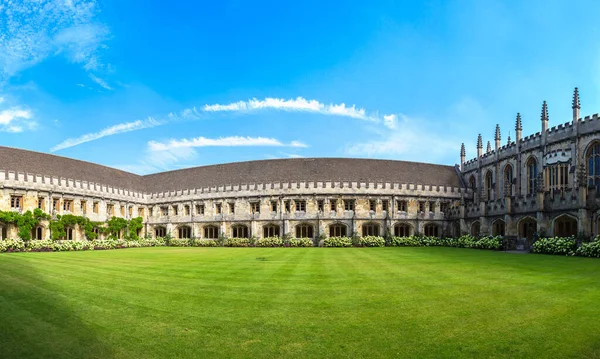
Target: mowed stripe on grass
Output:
{"points": [[298, 302]]}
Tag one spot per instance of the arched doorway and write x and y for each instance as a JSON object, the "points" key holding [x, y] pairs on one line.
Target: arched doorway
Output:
{"points": [[565, 226], [527, 228], [499, 228], [476, 229]]}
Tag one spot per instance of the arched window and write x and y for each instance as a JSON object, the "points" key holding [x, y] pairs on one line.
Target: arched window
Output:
{"points": [[475, 229], [160, 232], [239, 231], [69, 232], [3, 232], [532, 172], [270, 230], [593, 163], [184, 232], [565, 226], [508, 178], [432, 230], [402, 230], [488, 185], [304, 231], [498, 228], [370, 229], [472, 182], [456, 229], [37, 233], [337, 230], [211, 232]]}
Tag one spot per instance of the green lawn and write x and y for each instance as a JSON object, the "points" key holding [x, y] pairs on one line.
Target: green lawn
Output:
{"points": [[298, 302]]}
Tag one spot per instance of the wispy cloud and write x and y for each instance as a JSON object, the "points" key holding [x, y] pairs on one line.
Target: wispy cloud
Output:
{"points": [[100, 82], [298, 104], [162, 156], [232, 141], [31, 31], [109, 131], [406, 140]]}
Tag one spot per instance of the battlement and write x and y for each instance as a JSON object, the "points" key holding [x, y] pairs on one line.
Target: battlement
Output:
{"points": [[38, 182]]}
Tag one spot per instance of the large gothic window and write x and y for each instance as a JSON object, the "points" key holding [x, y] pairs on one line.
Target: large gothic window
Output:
{"points": [[211, 232], [402, 230], [270, 230], [508, 178], [337, 230], [488, 185], [531, 175], [370, 229], [557, 176], [239, 231], [184, 232], [593, 163], [565, 226]]}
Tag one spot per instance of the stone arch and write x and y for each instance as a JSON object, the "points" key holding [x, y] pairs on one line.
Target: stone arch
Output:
{"points": [[270, 230], [70, 233], [3, 231], [338, 229], [456, 229], [160, 231], [432, 230], [499, 227], [476, 228], [240, 231], [371, 229], [184, 232], [304, 230], [564, 225], [472, 182], [38, 232], [527, 227], [403, 229], [210, 231]]}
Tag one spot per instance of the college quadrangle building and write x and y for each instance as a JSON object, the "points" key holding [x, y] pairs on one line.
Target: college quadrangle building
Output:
{"points": [[546, 183]]}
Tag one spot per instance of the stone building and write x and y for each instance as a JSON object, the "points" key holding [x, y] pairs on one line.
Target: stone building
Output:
{"points": [[545, 184], [300, 197]]}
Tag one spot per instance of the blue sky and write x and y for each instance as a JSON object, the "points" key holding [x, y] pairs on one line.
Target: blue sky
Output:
{"points": [[148, 86]]}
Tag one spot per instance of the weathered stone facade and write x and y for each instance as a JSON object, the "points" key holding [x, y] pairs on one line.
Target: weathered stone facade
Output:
{"points": [[298, 208], [547, 183]]}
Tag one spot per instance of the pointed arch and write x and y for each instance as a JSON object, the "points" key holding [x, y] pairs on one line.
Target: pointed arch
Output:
{"points": [[304, 230], [370, 229], [403, 229], [592, 161], [498, 227], [432, 230], [210, 231], [270, 230], [489, 185], [240, 231], [564, 225], [527, 227], [476, 229], [338, 230], [184, 232], [160, 231], [472, 183], [508, 175]]}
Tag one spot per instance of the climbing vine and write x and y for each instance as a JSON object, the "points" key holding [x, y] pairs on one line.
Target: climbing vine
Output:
{"points": [[25, 222]]}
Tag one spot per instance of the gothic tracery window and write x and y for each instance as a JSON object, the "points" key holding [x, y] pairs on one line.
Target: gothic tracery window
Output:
{"points": [[531, 175], [593, 163]]}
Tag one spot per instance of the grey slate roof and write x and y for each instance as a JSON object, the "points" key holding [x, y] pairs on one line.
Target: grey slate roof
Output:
{"points": [[264, 171]]}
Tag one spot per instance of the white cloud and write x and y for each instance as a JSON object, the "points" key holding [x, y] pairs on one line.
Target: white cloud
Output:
{"points": [[33, 30], [232, 141], [100, 82], [16, 120], [109, 131], [299, 104]]}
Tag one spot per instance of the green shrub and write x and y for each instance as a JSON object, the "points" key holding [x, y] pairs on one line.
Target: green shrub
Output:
{"points": [[300, 242], [237, 242], [555, 245], [369, 241], [269, 242], [179, 242], [12, 245], [337, 242], [591, 249], [205, 243]]}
